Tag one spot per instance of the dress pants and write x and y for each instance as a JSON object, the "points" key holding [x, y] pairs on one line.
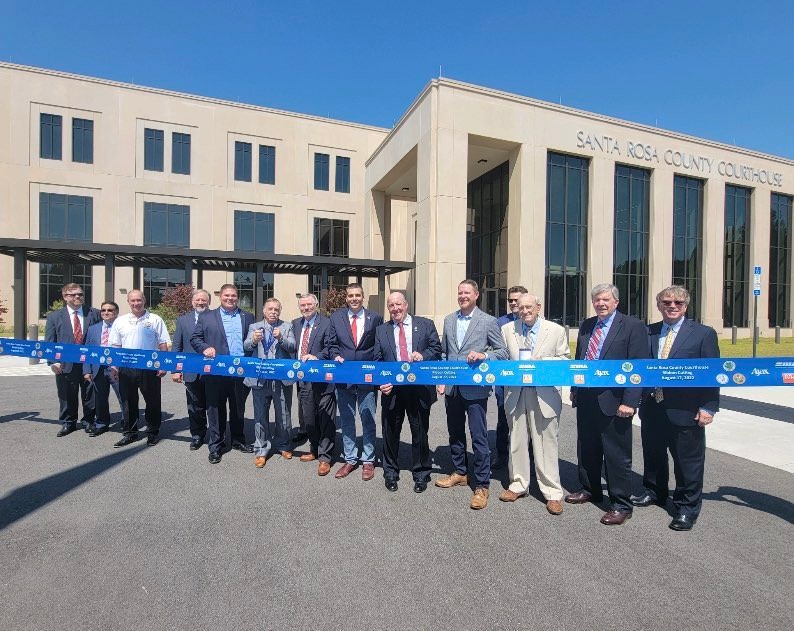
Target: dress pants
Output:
{"points": [[687, 445], [317, 410], [606, 439], [458, 409], [280, 396], [71, 386], [197, 407], [219, 391], [406, 402], [529, 424], [102, 385], [502, 424], [346, 399], [130, 381]]}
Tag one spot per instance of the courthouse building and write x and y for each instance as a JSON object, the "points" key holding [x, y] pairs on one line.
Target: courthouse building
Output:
{"points": [[119, 186]]}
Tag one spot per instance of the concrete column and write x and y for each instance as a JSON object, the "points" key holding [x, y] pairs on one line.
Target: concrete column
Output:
{"points": [[526, 219], [713, 257], [110, 276], [259, 298], [760, 234], [20, 293], [660, 241], [188, 272], [601, 223]]}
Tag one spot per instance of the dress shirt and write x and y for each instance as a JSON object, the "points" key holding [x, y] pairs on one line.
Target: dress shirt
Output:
{"points": [[531, 333], [463, 326], [665, 332], [311, 324], [146, 332], [233, 326], [80, 317], [605, 324], [408, 336], [106, 327], [361, 317]]}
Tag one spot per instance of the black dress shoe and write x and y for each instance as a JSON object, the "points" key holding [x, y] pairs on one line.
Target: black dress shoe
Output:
{"points": [[420, 486], [683, 522], [196, 443], [646, 499], [66, 430], [127, 439], [214, 457], [97, 432], [246, 449], [89, 427], [152, 440], [391, 484]]}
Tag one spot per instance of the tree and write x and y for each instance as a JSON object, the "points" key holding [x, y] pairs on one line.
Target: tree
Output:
{"points": [[335, 299], [179, 298], [3, 310]]}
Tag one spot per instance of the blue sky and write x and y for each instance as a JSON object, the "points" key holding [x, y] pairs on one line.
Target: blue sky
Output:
{"points": [[718, 70]]}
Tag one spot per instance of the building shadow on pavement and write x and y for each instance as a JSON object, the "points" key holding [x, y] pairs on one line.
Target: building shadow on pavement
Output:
{"points": [[753, 499]]}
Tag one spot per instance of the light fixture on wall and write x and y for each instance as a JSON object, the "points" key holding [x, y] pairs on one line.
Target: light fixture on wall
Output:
{"points": [[482, 161], [405, 188]]}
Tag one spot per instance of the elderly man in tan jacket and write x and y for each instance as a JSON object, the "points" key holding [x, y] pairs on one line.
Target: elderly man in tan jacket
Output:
{"points": [[534, 412]]}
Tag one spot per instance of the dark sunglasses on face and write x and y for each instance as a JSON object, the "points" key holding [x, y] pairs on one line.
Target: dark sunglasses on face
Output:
{"points": [[108, 310]]}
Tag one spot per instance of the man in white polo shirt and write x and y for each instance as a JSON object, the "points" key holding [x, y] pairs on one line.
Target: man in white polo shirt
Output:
{"points": [[139, 329]]}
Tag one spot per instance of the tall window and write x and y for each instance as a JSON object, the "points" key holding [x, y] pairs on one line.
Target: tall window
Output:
{"points": [[82, 140], [735, 287], [64, 218], [342, 175], [321, 171], [50, 136], [632, 213], [780, 261], [242, 161], [254, 232], [180, 153], [688, 238], [267, 164], [486, 237], [331, 238], [153, 149], [164, 225], [566, 238]]}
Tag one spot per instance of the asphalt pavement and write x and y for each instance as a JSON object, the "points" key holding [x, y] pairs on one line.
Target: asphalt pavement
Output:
{"points": [[93, 537]]}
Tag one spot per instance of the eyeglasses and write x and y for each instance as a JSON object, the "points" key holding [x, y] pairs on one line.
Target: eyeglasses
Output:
{"points": [[670, 303], [108, 310], [74, 295], [512, 300]]}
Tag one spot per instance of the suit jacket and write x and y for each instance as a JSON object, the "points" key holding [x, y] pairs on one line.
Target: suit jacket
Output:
{"points": [[482, 336], [342, 344], [319, 343], [209, 331], [59, 328], [93, 337], [424, 340], [692, 341], [550, 343], [185, 325], [285, 347], [627, 339]]}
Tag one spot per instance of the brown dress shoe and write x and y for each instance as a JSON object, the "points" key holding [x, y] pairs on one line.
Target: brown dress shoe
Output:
{"points": [[345, 470], [510, 496], [367, 471], [307, 457], [324, 468], [456, 479], [554, 507], [287, 455], [582, 497], [615, 518], [260, 461], [480, 498]]}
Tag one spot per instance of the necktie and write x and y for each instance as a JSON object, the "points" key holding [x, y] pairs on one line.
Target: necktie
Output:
{"points": [[403, 344], [354, 329], [78, 330], [658, 394], [595, 338], [105, 335], [305, 340]]}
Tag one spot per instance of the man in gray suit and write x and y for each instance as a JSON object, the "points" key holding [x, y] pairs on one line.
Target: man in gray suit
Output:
{"points": [[272, 338], [469, 335], [534, 413]]}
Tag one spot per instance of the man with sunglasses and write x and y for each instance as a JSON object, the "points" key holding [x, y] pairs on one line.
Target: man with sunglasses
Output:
{"points": [[100, 376], [69, 326], [676, 418]]}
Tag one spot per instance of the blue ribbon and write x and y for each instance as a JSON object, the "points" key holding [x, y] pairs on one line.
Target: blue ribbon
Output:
{"points": [[713, 372]]}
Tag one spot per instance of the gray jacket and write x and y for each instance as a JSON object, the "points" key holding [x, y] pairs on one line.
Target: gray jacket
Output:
{"points": [[283, 348]]}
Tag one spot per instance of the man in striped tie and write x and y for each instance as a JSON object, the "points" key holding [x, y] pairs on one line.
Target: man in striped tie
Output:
{"points": [[603, 415], [98, 375]]}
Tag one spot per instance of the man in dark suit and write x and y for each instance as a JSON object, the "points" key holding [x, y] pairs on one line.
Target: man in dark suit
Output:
{"points": [[69, 326], [100, 377], [603, 415], [676, 418], [222, 331], [316, 399], [470, 335], [406, 338], [353, 339], [194, 384]]}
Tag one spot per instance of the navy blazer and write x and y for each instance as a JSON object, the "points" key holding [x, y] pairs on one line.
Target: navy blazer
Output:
{"points": [[424, 339], [185, 325], [59, 328], [93, 338], [627, 339], [209, 331], [341, 342], [319, 341], [693, 341]]}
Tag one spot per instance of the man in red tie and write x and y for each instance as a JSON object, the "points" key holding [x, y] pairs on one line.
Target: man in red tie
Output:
{"points": [[406, 338], [68, 326]]}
